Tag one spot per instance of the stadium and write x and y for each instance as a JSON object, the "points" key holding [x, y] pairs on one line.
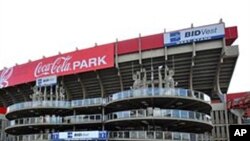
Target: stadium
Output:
{"points": [[166, 86]]}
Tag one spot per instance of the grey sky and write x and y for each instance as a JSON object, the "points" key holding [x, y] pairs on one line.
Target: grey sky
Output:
{"points": [[30, 29]]}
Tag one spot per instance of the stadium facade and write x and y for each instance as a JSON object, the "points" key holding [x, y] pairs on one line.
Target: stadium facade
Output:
{"points": [[157, 87]]}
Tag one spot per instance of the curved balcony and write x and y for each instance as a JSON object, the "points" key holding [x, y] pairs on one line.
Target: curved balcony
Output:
{"points": [[79, 119], [189, 121], [31, 137], [147, 92], [38, 104], [87, 106], [33, 108], [131, 135], [35, 124], [87, 102], [174, 98], [157, 136]]}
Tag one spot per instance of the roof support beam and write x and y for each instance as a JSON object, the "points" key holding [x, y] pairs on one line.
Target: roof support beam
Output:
{"points": [[165, 50], [99, 80], [3, 100], [20, 90], [100, 83], [117, 66], [68, 95], [27, 94], [217, 87], [140, 52], [22, 93], [30, 88], [192, 66], [84, 92], [11, 96], [221, 96], [120, 79]]}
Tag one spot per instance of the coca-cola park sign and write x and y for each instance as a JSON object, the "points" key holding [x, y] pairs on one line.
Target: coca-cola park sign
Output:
{"points": [[96, 58]]}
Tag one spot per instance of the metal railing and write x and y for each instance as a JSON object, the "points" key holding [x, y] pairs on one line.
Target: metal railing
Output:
{"points": [[56, 120], [130, 114], [157, 135], [38, 104], [162, 113], [143, 92], [150, 92], [84, 118], [30, 137], [55, 104], [128, 135], [86, 102]]}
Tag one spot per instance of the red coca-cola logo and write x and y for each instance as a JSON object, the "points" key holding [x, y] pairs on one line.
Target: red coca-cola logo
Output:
{"points": [[60, 65], [4, 77]]}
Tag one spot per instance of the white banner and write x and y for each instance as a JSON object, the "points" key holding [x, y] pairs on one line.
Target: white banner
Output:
{"points": [[196, 34], [80, 135], [46, 81]]}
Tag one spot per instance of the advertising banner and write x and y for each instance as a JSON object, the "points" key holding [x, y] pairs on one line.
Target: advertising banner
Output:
{"points": [[80, 135], [46, 81], [196, 34], [90, 59]]}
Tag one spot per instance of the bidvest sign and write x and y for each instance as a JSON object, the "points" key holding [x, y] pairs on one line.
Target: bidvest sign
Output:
{"points": [[91, 59], [197, 34], [79, 135], [46, 81]]}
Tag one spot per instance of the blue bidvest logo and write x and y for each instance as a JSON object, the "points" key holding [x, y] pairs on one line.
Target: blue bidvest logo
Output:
{"points": [[39, 82], [55, 136], [103, 135], [175, 36], [70, 135]]}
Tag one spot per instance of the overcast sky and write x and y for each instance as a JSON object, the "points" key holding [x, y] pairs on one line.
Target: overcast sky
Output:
{"points": [[30, 29]]}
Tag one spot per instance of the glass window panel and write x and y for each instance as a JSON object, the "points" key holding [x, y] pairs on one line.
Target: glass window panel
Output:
{"points": [[191, 115], [168, 113], [115, 97], [92, 117], [141, 113], [156, 91], [133, 135], [197, 115], [183, 92], [125, 94], [177, 136], [149, 91], [202, 96], [157, 112], [126, 134], [185, 137], [158, 135], [184, 114], [132, 114], [119, 96], [119, 115], [150, 135], [141, 134], [176, 113], [126, 114], [98, 117], [120, 134], [168, 135], [167, 92]]}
